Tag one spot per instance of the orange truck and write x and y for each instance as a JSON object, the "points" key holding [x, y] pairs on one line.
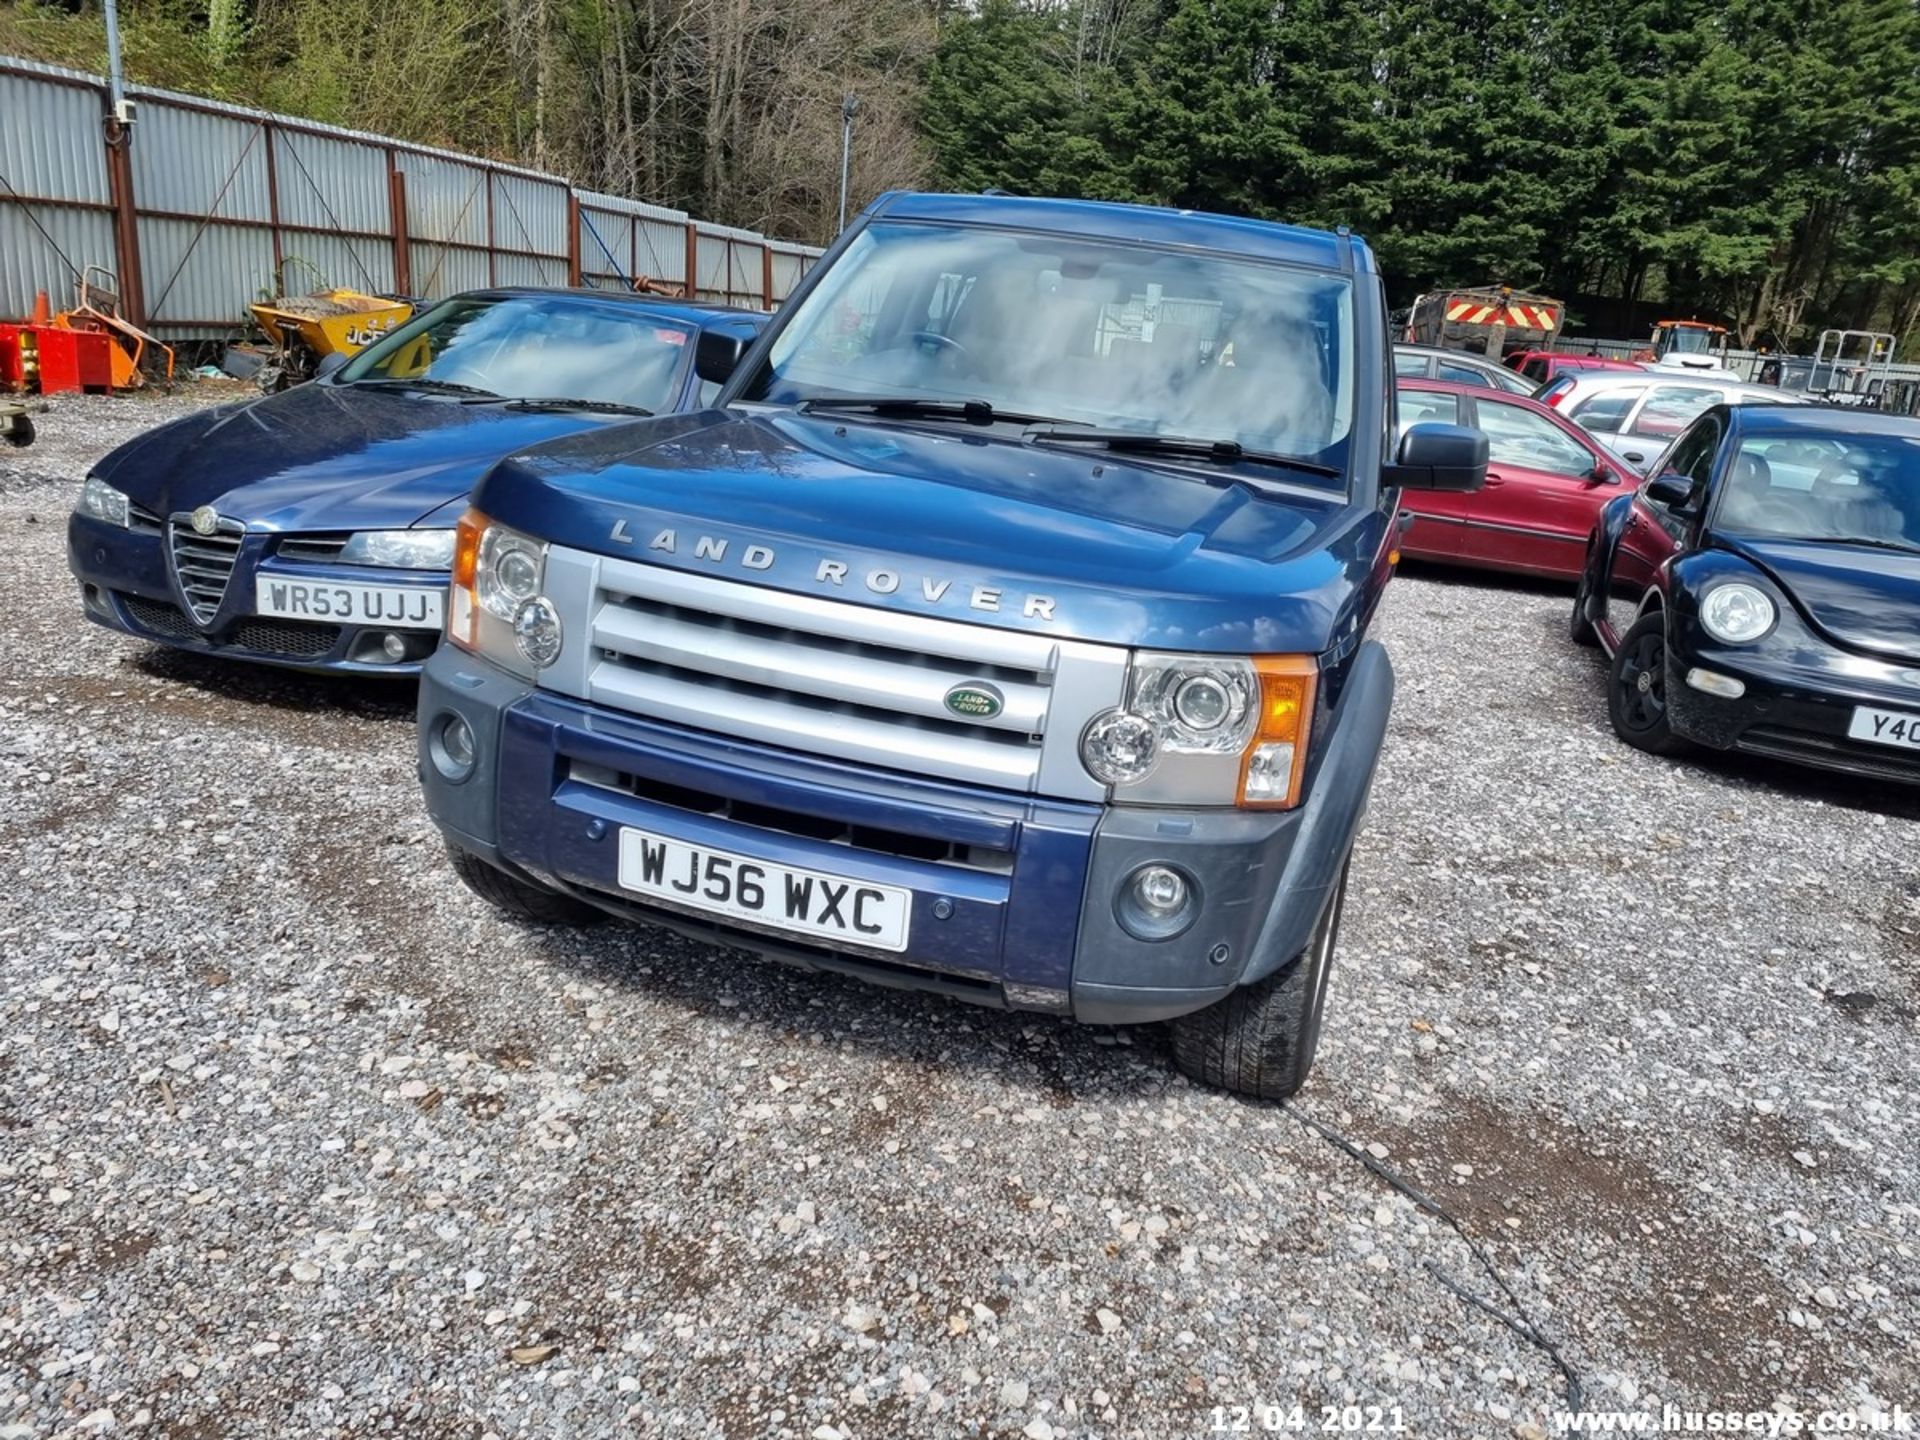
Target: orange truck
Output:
{"points": [[1492, 320]]}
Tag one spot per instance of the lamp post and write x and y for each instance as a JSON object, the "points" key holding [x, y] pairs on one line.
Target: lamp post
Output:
{"points": [[849, 104]]}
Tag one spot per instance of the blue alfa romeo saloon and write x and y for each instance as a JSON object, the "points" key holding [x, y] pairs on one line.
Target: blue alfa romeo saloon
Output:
{"points": [[315, 528]]}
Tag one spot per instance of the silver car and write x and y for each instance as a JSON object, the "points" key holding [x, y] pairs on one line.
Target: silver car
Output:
{"points": [[1637, 416], [1431, 363]]}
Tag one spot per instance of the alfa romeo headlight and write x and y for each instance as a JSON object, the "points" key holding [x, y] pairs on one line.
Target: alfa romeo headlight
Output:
{"points": [[102, 502], [496, 607], [1737, 613], [400, 549], [1206, 730]]}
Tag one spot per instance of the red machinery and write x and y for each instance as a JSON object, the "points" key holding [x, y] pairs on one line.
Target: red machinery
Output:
{"points": [[89, 347]]}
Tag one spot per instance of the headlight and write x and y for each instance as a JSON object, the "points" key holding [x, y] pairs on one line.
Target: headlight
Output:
{"points": [[1737, 613], [400, 549], [497, 610], [1206, 730], [102, 502]]}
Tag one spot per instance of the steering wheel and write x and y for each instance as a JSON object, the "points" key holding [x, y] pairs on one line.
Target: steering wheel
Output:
{"points": [[943, 342]]}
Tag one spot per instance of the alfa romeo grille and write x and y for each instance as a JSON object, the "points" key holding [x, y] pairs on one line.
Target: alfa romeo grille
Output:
{"points": [[851, 682], [312, 549], [203, 564]]}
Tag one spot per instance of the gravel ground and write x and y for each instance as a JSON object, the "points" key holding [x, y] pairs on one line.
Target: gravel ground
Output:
{"points": [[301, 1140]]}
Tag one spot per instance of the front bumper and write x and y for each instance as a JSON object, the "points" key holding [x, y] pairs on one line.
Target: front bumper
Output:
{"points": [[1798, 703], [1014, 896], [127, 585]]}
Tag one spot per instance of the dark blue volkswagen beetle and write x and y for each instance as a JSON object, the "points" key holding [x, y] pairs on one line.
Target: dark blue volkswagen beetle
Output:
{"points": [[1761, 591], [314, 528]]}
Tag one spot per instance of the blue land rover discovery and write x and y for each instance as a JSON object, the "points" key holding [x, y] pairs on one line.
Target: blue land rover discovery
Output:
{"points": [[1001, 632]]}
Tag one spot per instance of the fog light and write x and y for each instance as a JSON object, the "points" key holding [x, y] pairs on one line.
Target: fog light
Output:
{"points": [[1714, 683], [536, 631], [1156, 902], [394, 646], [451, 746]]}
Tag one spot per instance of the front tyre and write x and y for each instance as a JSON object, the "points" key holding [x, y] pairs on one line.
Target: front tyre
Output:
{"points": [[516, 897], [1580, 628], [1260, 1040], [1637, 688]]}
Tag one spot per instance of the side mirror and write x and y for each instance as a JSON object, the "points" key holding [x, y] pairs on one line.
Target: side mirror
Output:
{"points": [[717, 355], [1603, 474], [1672, 490], [1434, 456], [330, 363]]}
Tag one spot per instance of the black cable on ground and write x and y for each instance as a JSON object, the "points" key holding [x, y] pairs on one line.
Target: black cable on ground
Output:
{"points": [[1517, 1320]]}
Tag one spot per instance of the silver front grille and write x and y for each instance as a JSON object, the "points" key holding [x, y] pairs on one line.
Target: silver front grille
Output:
{"points": [[846, 681], [203, 564]]}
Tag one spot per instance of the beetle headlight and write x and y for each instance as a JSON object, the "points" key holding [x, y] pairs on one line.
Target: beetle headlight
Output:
{"points": [[103, 502], [1737, 614], [1206, 730], [496, 609], [400, 549]]}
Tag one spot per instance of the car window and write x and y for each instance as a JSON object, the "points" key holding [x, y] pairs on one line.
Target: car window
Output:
{"points": [[1536, 368], [1137, 337], [1862, 488], [1419, 405], [535, 346], [1669, 409], [1690, 456], [1463, 374], [1411, 364], [1606, 412], [1519, 437]]}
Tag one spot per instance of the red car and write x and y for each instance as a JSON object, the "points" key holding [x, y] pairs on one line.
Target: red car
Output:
{"points": [[1547, 480], [1541, 366]]}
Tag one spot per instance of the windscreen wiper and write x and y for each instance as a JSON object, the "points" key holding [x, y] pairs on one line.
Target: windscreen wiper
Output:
{"points": [[431, 387], [974, 412], [1219, 452], [1899, 546], [562, 402]]}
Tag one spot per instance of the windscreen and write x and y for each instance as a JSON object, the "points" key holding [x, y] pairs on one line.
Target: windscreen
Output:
{"points": [[1135, 338], [535, 347], [1861, 487]]}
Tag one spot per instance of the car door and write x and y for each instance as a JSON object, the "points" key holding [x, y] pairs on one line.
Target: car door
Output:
{"points": [[1433, 516], [1541, 497], [1653, 532]]}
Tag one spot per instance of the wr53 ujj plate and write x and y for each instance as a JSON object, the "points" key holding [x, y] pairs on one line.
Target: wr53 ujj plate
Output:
{"points": [[398, 607]]}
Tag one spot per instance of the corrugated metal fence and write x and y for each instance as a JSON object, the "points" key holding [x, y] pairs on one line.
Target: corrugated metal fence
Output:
{"points": [[210, 207]]}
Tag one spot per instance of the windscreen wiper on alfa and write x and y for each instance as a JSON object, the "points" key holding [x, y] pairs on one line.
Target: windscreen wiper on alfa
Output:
{"points": [[1185, 447], [424, 384], [973, 412], [562, 402]]}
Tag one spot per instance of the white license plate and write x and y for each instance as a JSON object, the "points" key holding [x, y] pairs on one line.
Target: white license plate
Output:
{"points": [[1898, 728], [348, 602], [804, 902]]}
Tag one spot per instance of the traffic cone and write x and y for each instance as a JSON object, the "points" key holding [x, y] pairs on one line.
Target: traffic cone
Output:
{"points": [[42, 310]]}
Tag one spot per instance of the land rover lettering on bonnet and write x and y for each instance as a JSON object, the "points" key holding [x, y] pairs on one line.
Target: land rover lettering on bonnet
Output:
{"points": [[1001, 631]]}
